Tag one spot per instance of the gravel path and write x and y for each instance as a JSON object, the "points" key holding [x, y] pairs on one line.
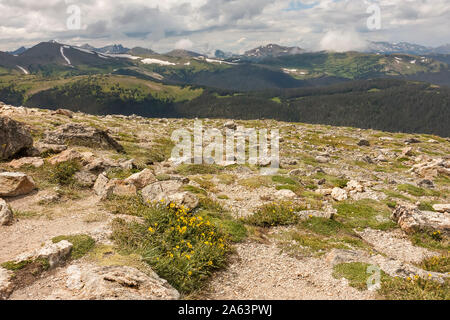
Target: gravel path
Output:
{"points": [[262, 272]]}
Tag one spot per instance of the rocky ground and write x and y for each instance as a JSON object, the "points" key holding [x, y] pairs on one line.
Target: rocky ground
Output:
{"points": [[361, 196]]}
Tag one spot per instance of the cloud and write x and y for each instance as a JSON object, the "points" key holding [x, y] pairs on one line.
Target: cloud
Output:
{"points": [[343, 40], [311, 24], [184, 44]]}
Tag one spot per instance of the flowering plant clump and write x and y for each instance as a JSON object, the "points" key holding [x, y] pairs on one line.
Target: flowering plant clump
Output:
{"points": [[181, 246]]}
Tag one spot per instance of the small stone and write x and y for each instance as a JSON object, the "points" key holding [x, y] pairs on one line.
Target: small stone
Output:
{"points": [[67, 155], [6, 215], [322, 159], [354, 186], [412, 141], [55, 253], [426, 183], [230, 125], [364, 143], [442, 208], [285, 194], [339, 194], [63, 112], [45, 148], [324, 192], [6, 284], [407, 152]]}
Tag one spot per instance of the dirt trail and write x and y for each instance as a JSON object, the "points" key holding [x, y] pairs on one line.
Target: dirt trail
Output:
{"points": [[262, 272], [28, 234]]}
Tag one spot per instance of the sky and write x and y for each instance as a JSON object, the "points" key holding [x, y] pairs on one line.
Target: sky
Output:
{"points": [[229, 25]]}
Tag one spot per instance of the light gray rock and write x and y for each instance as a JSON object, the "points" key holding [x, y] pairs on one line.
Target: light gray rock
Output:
{"points": [[442, 207], [6, 215], [142, 179], [118, 283], [14, 184], [56, 253], [338, 256], [67, 155], [412, 220], [85, 178], [77, 134], [169, 192], [285, 194], [230, 125], [339, 194], [45, 148], [36, 162], [307, 214], [100, 186], [322, 159], [6, 284], [354, 186]]}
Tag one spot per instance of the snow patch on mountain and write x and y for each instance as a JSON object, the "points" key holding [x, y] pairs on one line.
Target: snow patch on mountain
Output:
{"points": [[65, 58], [23, 70], [157, 61]]}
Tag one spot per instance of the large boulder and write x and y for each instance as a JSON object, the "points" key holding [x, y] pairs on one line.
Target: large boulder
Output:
{"points": [[104, 187], [13, 184], [67, 155], [14, 138], [142, 179], [46, 148], [6, 215], [169, 192], [91, 282], [77, 134], [412, 220]]}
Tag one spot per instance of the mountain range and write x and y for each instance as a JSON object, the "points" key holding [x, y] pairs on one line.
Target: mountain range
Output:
{"points": [[261, 83], [405, 47]]}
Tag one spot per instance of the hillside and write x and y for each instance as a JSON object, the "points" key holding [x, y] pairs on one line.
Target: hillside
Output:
{"points": [[104, 208], [392, 105]]}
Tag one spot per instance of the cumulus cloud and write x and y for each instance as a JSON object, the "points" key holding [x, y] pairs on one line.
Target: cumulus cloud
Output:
{"points": [[312, 24], [343, 40], [184, 44]]}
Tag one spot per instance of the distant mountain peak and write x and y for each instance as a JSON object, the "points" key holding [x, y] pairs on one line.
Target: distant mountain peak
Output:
{"points": [[272, 50], [110, 49], [181, 53], [18, 51]]}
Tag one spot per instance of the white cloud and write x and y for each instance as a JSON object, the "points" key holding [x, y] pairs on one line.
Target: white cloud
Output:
{"points": [[221, 23], [184, 44], [342, 40]]}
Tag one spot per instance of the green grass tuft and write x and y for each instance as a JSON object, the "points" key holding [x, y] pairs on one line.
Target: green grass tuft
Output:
{"points": [[82, 244], [274, 214]]}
